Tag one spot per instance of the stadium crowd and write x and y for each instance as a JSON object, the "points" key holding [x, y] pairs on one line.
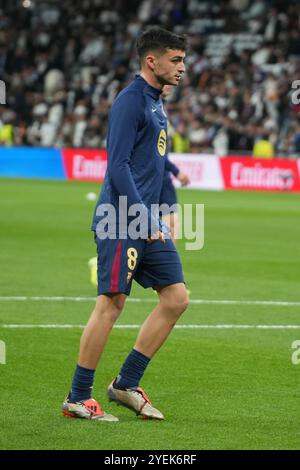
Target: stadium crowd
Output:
{"points": [[63, 63]]}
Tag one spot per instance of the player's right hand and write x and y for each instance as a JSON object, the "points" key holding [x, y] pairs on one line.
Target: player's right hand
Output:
{"points": [[156, 236], [183, 178]]}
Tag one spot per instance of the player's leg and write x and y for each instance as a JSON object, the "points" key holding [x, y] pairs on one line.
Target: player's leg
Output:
{"points": [[112, 290], [125, 388], [173, 301], [79, 403], [98, 328], [161, 267]]}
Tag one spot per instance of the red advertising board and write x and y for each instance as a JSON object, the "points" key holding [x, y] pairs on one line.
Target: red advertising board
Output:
{"points": [[85, 164], [205, 171], [261, 175]]}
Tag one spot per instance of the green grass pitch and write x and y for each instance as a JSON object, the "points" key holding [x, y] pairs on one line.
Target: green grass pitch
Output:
{"points": [[219, 388]]}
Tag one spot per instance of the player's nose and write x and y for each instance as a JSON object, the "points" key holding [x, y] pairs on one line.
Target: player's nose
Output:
{"points": [[181, 68]]}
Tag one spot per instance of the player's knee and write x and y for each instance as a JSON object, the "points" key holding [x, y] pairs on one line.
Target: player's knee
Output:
{"points": [[111, 314], [178, 304], [116, 308], [118, 304], [109, 308], [185, 302], [182, 303]]}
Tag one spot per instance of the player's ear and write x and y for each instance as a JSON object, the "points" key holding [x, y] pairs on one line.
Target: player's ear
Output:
{"points": [[150, 61]]}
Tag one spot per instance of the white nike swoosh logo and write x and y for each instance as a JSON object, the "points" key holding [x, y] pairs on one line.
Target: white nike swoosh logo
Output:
{"points": [[153, 110]]}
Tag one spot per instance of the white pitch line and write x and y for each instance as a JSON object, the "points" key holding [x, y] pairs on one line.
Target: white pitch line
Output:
{"points": [[131, 299], [179, 327]]}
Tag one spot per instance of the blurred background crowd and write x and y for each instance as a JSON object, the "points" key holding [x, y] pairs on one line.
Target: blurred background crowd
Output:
{"points": [[64, 61]]}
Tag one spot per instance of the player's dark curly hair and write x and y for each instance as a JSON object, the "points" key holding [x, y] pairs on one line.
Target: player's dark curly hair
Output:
{"points": [[159, 39]]}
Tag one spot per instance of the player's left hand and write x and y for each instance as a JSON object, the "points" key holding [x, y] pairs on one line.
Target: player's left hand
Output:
{"points": [[183, 178], [156, 236]]}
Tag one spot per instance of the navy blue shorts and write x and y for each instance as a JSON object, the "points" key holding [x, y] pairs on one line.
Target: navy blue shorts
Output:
{"points": [[153, 265], [168, 196]]}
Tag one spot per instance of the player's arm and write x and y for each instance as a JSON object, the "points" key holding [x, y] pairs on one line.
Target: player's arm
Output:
{"points": [[126, 117], [169, 166]]}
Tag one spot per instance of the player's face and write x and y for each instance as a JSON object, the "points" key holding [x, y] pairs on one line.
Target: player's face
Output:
{"points": [[169, 67]]}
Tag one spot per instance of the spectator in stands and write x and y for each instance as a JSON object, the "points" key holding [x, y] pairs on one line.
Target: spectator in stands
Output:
{"points": [[93, 136], [263, 148], [6, 128], [180, 142], [74, 57]]}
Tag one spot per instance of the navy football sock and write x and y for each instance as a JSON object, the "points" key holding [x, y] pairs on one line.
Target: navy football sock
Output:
{"points": [[132, 370], [82, 384]]}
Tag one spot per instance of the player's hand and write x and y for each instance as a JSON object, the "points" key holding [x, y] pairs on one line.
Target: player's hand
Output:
{"points": [[156, 236], [183, 178]]}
